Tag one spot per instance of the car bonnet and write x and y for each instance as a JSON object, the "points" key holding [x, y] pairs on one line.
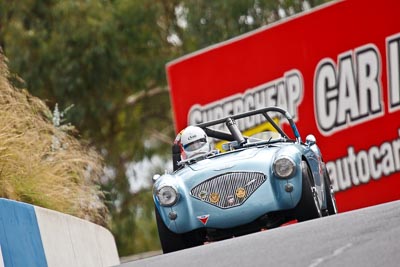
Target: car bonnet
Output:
{"points": [[225, 160]]}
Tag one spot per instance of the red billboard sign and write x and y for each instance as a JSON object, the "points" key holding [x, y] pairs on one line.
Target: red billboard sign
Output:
{"points": [[335, 68]]}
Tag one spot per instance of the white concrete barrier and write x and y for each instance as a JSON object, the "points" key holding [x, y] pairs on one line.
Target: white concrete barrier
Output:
{"points": [[34, 236]]}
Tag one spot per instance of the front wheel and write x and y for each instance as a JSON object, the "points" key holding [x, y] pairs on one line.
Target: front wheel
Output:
{"points": [[331, 207], [308, 207], [170, 241]]}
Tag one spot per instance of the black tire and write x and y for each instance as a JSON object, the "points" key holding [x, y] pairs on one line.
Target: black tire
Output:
{"points": [[308, 207], [331, 208], [170, 241]]}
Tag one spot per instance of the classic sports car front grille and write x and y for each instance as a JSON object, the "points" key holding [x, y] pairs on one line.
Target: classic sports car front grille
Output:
{"points": [[229, 189]]}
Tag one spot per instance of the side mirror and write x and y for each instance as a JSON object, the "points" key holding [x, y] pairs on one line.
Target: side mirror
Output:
{"points": [[310, 140], [155, 177]]}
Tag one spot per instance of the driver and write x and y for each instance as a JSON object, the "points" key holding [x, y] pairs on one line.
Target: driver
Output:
{"points": [[193, 142]]}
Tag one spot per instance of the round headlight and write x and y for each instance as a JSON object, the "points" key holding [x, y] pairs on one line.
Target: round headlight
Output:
{"points": [[167, 195], [284, 167]]}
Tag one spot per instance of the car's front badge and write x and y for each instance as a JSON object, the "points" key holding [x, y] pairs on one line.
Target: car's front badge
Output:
{"points": [[230, 199], [240, 192], [203, 195], [203, 218], [214, 197]]}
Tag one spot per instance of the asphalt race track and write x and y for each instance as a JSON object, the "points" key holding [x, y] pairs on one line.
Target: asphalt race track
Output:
{"points": [[364, 237]]}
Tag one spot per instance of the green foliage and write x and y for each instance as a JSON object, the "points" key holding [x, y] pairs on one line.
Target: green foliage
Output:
{"points": [[210, 22], [107, 58]]}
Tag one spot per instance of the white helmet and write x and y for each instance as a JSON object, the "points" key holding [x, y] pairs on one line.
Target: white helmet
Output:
{"points": [[194, 142]]}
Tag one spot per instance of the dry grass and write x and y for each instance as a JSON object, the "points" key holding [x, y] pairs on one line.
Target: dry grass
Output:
{"points": [[64, 178]]}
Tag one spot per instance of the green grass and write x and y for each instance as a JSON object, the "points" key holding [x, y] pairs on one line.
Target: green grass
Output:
{"points": [[65, 177]]}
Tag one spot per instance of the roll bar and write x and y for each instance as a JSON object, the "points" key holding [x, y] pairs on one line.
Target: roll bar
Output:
{"points": [[262, 111]]}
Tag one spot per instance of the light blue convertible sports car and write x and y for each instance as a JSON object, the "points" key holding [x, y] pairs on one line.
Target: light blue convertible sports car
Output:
{"points": [[253, 182]]}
